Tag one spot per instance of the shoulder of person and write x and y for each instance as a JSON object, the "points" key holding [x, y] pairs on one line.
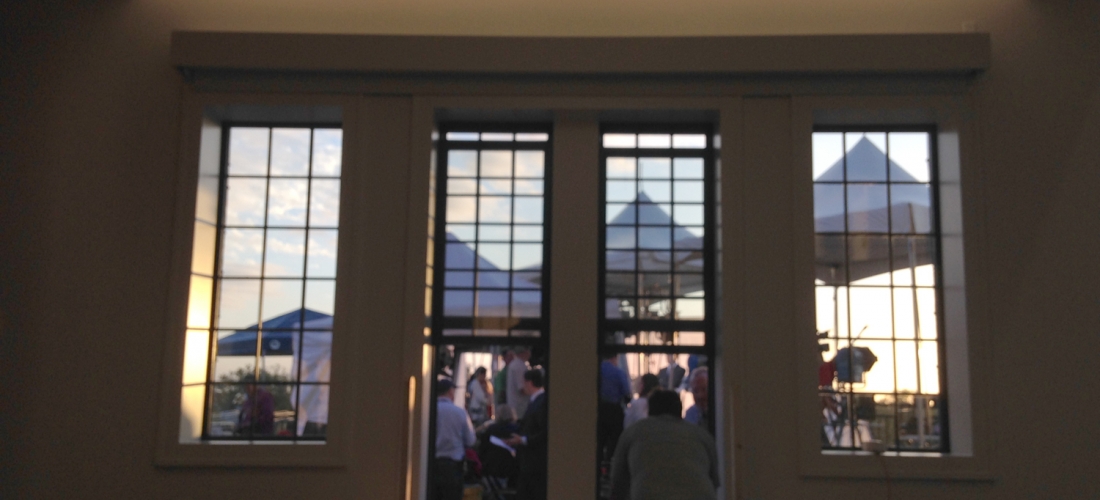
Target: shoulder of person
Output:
{"points": [[701, 433]]}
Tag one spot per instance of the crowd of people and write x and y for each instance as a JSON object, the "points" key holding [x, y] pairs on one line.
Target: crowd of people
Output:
{"points": [[502, 429]]}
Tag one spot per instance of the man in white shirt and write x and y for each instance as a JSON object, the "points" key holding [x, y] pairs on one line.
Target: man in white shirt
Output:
{"points": [[453, 434], [516, 368]]}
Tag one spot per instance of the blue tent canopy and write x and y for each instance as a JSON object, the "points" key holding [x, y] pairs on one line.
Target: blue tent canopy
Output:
{"points": [[278, 334]]}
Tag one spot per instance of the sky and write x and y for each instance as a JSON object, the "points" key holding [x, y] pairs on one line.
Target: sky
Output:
{"points": [[908, 149]]}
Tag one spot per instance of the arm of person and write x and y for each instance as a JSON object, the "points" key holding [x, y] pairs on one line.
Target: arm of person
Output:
{"points": [[534, 431], [624, 387], [468, 436]]}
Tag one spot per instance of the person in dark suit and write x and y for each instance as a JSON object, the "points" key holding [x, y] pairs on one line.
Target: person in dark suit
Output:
{"points": [[672, 375], [531, 441]]}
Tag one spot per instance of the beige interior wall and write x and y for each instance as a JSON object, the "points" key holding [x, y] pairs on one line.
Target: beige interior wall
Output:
{"points": [[88, 140]]}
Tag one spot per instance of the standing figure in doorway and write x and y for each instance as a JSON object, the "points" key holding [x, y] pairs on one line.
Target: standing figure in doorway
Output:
{"points": [[639, 408], [453, 434], [531, 441], [500, 380], [614, 393], [699, 413], [479, 399], [516, 368], [672, 375]]}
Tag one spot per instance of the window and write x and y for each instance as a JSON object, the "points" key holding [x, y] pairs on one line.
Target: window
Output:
{"points": [[489, 273], [263, 279], [657, 274], [878, 290]]}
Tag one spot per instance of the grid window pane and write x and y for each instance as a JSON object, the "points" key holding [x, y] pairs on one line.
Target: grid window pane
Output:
{"points": [[327, 152], [242, 252], [245, 202], [277, 227], [493, 191], [656, 259], [876, 295], [287, 201], [290, 152], [284, 253], [248, 150], [494, 199]]}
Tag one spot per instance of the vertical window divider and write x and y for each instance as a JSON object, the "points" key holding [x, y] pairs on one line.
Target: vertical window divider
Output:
{"points": [[297, 381], [212, 327], [263, 268]]}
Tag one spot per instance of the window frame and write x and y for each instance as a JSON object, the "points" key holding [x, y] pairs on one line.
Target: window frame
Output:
{"points": [[205, 120], [961, 333], [436, 321], [439, 321], [711, 277], [221, 227], [935, 232]]}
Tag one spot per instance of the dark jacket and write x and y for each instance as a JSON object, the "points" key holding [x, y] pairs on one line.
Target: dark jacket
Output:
{"points": [[532, 456]]}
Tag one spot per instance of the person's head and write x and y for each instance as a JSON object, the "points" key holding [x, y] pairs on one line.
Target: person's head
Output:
{"points": [[649, 383], [700, 382], [508, 354], [523, 353], [671, 359], [479, 373], [249, 382], [612, 358], [445, 388], [532, 381], [663, 402], [505, 413]]}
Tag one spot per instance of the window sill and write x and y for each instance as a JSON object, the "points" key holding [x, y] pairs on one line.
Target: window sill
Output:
{"points": [[896, 466], [239, 454]]}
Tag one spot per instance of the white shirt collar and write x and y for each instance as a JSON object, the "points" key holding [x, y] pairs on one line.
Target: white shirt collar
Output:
{"points": [[536, 394]]}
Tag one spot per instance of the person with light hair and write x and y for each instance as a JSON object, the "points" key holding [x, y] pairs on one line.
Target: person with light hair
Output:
{"points": [[699, 413]]}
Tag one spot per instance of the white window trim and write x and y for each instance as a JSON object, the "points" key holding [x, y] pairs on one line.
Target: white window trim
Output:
{"points": [[963, 331]]}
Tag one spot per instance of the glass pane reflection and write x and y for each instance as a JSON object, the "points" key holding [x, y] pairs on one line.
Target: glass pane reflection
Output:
{"points": [[875, 294]]}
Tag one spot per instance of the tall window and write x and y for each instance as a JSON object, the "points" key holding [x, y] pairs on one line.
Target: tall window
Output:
{"points": [[657, 273], [877, 280], [489, 295], [258, 347]]}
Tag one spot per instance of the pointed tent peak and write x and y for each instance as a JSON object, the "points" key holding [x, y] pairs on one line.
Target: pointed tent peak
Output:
{"points": [[648, 212], [290, 319], [465, 256], [864, 163]]}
